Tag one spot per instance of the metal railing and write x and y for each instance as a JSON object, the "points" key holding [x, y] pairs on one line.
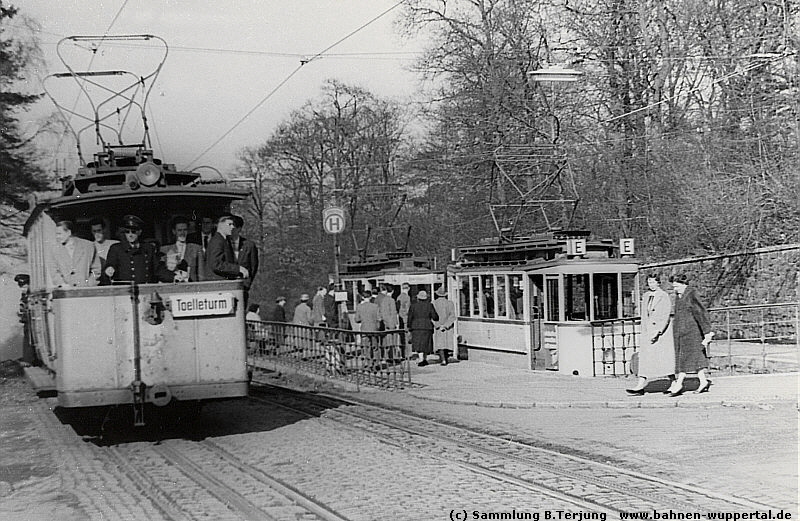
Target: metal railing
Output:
{"points": [[757, 338], [614, 342], [365, 358]]}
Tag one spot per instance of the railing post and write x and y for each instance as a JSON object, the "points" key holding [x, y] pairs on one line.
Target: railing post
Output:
{"points": [[730, 343]]}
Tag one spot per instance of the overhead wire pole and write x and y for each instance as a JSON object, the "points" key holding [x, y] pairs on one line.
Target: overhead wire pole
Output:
{"points": [[285, 80]]}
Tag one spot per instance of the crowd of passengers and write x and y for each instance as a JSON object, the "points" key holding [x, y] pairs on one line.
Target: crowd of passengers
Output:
{"points": [[217, 252]]}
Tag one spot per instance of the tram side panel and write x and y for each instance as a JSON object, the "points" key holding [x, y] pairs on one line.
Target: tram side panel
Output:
{"points": [[192, 358]]}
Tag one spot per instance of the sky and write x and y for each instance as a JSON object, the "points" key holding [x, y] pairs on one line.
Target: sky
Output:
{"points": [[224, 58]]}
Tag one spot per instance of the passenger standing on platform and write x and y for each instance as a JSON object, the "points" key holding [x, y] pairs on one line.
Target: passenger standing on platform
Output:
{"points": [[252, 312], [302, 313], [133, 260], [367, 316], [403, 304], [318, 307], [220, 261], [387, 315], [183, 250], [246, 253], [331, 311], [657, 347], [420, 324], [101, 243], [278, 311], [443, 326], [73, 259], [692, 336], [206, 232]]}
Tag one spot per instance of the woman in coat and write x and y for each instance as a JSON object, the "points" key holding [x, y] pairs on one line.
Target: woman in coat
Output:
{"points": [[420, 323], [443, 326], [692, 336], [657, 348]]}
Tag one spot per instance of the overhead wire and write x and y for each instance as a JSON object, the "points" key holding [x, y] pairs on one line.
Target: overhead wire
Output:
{"points": [[287, 78]]}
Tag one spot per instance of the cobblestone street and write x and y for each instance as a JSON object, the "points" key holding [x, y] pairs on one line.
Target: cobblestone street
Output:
{"points": [[363, 470]]}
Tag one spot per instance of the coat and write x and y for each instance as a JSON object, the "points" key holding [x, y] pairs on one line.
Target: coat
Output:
{"points": [[691, 325], [220, 262], [403, 305], [302, 315], [331, 311], [387, 313], [421, 315], [77, 269], [138, 265], [317, 310], [447, 319], [277, 314], [248, 258], [656, 358], [367, 316], [193, 255]]}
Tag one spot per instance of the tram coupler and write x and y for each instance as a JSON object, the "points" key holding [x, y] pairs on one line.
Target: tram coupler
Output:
{"points": [[139, 389]]}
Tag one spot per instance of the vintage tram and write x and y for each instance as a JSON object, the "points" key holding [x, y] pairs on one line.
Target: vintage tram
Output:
{"points": [[131, 343], [530, 303]]}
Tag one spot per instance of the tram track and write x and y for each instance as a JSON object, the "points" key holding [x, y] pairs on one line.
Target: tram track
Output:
{"points": [[247, 492], [577, 479]]}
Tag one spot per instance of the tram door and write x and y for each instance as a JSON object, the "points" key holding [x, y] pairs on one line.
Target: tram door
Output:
{"points": [[535, 290]]}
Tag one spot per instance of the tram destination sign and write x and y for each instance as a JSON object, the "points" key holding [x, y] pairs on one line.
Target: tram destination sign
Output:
{"points": [[202, 304]]}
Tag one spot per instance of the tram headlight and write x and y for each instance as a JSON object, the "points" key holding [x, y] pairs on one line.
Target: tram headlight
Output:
{"points": [[148, 173]]}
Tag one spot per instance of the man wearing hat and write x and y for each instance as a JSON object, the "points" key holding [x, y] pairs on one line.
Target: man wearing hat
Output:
{"points": [[443, 327], [220, 261], [302, 313], [277, 313], [421, 316], [132, 260]]}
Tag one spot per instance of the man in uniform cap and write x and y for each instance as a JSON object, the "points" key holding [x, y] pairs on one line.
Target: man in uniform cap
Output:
{"points": [[132, 260]]}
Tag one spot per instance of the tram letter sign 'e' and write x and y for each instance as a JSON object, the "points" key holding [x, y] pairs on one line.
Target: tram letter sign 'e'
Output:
{"points": [[626, 247], [333, 219]]}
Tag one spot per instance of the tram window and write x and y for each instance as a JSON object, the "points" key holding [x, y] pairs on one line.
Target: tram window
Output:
{"points": [[515, 297], [605, 296], [487, 295], [475, 302], [576, 294], [463, 296], [629, 298], [553, 302], [500, 281]]}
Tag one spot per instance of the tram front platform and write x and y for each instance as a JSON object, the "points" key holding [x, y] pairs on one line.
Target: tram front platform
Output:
{"points": [[488, 385]]}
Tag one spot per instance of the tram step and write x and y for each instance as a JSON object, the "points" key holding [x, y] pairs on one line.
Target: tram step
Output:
{"points": [[40, 379]]}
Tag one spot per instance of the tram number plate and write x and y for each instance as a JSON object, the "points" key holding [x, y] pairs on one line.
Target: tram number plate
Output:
{"points": [[202, 304]]}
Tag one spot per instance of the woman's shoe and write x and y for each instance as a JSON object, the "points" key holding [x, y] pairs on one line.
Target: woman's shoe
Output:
{"points": [[635, 392], [423, 363], [678, 392], [703, 389]]}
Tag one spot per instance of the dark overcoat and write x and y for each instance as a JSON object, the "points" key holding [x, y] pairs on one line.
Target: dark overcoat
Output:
{"points": [[421, 316], [220, 262], [691, 325], [248, 258]]}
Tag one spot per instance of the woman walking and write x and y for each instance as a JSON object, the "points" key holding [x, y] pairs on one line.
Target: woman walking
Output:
{"points": [[420, 323], [657, 349], [692, 336]]}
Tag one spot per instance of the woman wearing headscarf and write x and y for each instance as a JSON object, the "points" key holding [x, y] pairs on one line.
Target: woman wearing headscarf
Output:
{"points": [[692, 336], [656, 345], [420, 323]]}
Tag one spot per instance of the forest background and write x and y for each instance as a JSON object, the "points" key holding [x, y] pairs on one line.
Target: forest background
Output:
{"points": [[681, 132]]}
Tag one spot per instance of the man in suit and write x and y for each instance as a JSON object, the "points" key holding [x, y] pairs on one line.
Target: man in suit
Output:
{"points": [[73, 259], [133, 260], [188, 255], [101, 242], [220, 261], [246, 253]]}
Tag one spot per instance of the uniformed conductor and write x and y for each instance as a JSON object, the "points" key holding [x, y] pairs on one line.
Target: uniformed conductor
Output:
{"points": [[132, 260]]}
